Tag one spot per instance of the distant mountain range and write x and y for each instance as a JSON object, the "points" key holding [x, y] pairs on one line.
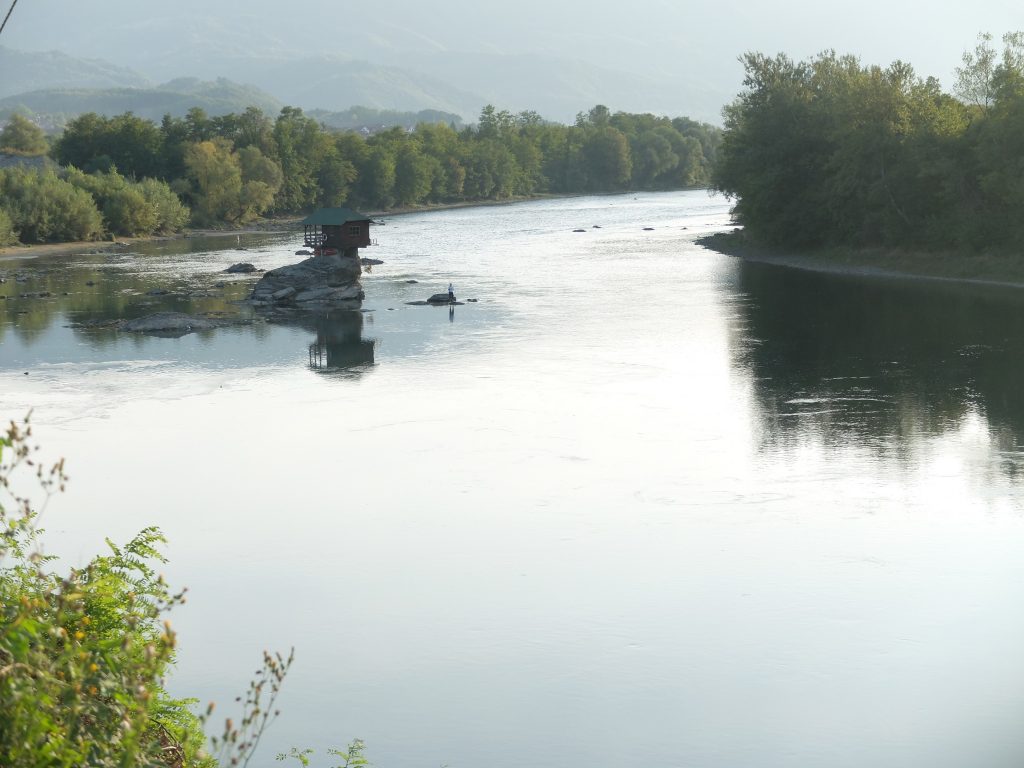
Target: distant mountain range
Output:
{"points": [[176, 98], [455, 83], [31, 71]]}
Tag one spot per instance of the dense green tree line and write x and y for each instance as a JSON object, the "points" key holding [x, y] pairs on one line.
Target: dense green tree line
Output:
{"points": [[233, 168], [42, 205], [829, 151]]}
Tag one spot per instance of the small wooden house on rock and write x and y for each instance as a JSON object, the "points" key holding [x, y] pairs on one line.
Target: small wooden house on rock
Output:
{"points": [[337, 230], [329, 278]]}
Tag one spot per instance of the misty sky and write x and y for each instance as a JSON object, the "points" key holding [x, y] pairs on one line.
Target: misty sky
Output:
{"points": [[701, 38]]}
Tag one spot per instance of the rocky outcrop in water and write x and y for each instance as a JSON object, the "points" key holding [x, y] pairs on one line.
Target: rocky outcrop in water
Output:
{"points": [[318, 282], [170, 324], [437, 300]]}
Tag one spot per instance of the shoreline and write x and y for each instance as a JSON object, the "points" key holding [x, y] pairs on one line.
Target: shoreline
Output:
{"points": [[267, 226], [513, 200], [12, 252], [982, 269], [281, 225]]}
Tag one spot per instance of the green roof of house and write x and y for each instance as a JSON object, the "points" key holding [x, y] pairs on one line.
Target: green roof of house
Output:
{"points": [[334, 217]]}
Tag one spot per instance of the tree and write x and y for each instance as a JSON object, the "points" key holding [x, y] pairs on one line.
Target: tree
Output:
{"points": [[7, 234], [257, 167], [607, 155], [217, 178], [131, 144], [414, 174], [171, 215], [378, 176], [22, 137], [302, 147], [974, 80]]}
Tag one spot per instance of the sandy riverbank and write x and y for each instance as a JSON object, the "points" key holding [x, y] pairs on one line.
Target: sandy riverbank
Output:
{"points": [[269, 226], [978, 269]]}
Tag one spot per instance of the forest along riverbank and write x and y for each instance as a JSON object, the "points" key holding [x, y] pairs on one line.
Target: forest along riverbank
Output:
{"points": [[980, 269]]}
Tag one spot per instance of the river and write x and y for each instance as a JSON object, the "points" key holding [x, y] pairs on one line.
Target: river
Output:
{"points": [[641, 503]]}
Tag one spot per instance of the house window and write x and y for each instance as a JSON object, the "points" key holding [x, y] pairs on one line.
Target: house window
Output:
{"points": [[353, 229]]}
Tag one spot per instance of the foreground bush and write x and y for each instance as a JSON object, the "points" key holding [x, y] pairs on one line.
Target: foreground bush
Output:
{"points": [[83, 654]]}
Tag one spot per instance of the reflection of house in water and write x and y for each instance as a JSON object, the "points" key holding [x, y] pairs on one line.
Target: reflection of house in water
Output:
{"points": [[339, 344]]}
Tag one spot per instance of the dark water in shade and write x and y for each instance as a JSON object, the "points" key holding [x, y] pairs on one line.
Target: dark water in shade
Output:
{"points": [[640, 504]]}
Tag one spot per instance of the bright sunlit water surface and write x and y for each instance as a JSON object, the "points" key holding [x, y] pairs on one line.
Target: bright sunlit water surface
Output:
{"points": [[640, 504]]}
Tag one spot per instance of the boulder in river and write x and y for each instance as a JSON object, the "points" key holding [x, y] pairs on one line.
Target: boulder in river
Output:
{"points": [[241, 268], [370, 262], [437, 300], [324, 281]]}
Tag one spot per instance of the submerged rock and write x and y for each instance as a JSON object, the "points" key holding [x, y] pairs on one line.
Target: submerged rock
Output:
{"points": [[370, 262], [241, 268], [168, 322]]}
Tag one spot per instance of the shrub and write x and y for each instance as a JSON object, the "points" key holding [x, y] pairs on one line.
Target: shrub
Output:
{"points": [[171, 213], [46, 208], [7, 234], [127, 212], [22, 137], [83, 655]]}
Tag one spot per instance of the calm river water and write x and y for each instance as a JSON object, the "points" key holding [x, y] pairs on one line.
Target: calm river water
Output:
{"points": [[642, 504]]}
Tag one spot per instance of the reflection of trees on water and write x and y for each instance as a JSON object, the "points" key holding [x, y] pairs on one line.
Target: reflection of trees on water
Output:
{"points": [[120, 283], [339, 345], [880, 363]]}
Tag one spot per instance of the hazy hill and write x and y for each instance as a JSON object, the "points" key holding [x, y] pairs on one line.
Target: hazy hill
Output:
{"points": [[336, 83], [559, 88], [176, 97], [33, 70]]}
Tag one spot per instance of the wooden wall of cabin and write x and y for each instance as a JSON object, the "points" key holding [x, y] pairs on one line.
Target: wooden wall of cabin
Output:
{"points": [[353, 234]]}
